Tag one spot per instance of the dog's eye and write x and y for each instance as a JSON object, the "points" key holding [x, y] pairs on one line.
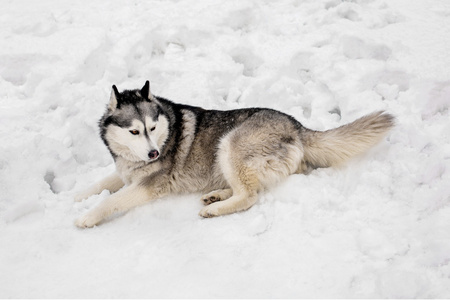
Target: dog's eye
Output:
{"points": [[134, 132], [153, 128]]}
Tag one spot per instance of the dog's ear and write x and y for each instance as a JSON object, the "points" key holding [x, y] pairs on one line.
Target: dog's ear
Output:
{"points": [[145, 91], [113, 100]]}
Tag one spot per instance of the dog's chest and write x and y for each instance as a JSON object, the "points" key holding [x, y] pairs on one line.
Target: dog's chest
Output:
{"points": [[132, 172]]}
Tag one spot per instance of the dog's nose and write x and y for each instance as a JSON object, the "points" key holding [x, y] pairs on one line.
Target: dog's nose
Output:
{"points": [[153, 154]]}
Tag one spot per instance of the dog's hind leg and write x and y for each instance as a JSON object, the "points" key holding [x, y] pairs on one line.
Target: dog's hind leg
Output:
{"points": [[244, 194], [241, 175], [217, 195], [252, 157]]}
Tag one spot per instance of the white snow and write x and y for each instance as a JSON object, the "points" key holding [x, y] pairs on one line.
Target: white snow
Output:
{"points": [[378, 227]]}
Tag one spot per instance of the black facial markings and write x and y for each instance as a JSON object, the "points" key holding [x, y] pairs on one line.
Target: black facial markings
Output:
{"points": [[131, 105]]}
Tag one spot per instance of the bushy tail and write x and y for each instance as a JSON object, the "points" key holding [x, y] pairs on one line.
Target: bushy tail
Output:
{"points": [[335, 146]]}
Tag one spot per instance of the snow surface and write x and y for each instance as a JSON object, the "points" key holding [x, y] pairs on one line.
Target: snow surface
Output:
{"points": [[378, 227]]}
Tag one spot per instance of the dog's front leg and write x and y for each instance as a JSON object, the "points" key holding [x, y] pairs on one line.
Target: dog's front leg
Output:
{"points": [[123, 200], [112, 183]]}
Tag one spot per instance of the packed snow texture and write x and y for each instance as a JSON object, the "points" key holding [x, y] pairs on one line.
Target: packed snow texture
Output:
{"points": [[377, 227]]}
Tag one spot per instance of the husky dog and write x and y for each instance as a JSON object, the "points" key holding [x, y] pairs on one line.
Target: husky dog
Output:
{"points": [[160, 147]]}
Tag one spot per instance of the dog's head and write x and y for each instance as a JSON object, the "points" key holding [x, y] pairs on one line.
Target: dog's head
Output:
{"points": [[134, 125]]}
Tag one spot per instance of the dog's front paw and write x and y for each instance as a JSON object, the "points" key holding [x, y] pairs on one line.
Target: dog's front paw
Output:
{"points": [[88, 220], [209, 211], [81, 196]]}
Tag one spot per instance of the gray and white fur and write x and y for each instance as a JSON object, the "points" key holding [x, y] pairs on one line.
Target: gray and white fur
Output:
{"points": [[162, 148]]}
